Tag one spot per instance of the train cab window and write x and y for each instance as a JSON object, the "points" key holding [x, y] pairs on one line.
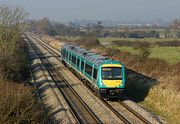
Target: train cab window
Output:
{"points": [[88, 69], [78, 62], [82, 65], [111, 73], [95, 74], [73, 59]]}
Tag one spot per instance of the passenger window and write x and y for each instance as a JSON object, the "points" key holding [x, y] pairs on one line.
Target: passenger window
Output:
{"points": [[88, 69], [95, 74], [78, 62], [73, 59], [82, 65]]}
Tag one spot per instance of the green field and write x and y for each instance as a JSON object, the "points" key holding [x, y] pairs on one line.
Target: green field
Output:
{"points": [[137, 39], [109, 39], [170, 54]]}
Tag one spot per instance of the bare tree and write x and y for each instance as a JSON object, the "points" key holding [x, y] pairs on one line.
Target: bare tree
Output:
{"points": [[42, 25], [175, 25], [97, 28], [12, 25]]}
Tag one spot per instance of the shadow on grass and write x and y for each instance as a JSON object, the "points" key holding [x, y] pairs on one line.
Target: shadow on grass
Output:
{"points": [[138, 85]]}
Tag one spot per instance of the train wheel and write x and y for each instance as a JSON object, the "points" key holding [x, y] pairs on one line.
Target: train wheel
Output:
{"points": [[97, 93], [84, 81]]}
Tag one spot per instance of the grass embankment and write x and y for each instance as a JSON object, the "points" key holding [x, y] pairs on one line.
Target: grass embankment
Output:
{"points": [[159, 90], [165, 102]]}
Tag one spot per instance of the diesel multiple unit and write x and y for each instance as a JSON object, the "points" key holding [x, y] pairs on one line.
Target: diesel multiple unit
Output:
{"points": [[104, 75]]}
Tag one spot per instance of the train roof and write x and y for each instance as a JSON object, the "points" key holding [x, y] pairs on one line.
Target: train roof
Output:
{"points": [[88, 55]]}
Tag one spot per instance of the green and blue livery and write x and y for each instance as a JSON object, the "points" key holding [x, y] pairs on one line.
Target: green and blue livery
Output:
{"points": [[102, 74]]}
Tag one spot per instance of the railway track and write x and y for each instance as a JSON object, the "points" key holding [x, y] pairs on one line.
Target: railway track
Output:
{"points": [[54, 52], [44, 70], [139, 119], [82, 112], [117, 113], [134, 112]]}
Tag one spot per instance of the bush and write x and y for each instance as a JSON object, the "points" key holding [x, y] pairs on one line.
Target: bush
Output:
{"points": [[121, 43], [14, 67], [11, 29], [89, 41], [143, 50], [174, 43], [18, 105]]}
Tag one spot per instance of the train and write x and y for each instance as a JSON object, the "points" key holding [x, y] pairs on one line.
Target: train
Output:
{"points": [[104, 75]]}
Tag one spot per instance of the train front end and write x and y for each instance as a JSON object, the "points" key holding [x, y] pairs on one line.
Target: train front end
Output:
{"points": [[111, 79]]}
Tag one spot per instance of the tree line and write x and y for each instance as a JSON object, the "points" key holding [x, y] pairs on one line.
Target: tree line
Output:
{"points": [[46, 26]]}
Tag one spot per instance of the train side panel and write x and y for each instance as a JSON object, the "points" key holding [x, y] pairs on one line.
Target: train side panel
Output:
{"points": [[84, 68]]}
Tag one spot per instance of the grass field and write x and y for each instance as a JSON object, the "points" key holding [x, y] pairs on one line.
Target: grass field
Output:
{"points": [[170, 54], [109, 39], [137, 39]]}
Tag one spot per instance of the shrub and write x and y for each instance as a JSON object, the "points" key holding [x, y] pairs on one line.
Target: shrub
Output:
{"points": [[18, 105], [11, 29], [174, 43], [89, 41], [143, 50]]}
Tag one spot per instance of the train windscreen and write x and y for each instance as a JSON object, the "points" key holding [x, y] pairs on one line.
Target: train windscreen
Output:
{"points": [[111, 73]]}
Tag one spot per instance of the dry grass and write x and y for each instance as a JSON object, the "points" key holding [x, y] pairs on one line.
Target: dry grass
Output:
{"points": [[53, 42], [164, 102], [88, 42], [18, 104]]}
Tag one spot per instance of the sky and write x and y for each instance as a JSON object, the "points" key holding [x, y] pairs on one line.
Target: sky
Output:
{"points": [[112, 10]]}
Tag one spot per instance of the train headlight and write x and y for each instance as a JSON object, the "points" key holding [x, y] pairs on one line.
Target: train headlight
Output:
{"points": [[112, 93]]}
